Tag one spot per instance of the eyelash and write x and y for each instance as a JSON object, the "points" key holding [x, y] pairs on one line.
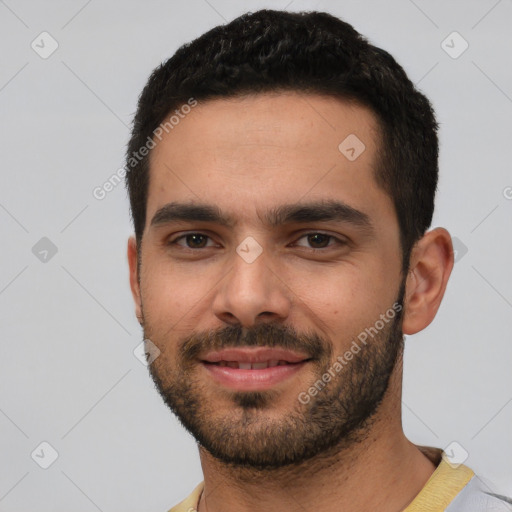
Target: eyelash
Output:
{"points": [[337, 240]]}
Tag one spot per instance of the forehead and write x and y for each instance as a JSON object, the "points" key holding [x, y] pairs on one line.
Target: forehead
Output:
{"points": [[251, 153]]}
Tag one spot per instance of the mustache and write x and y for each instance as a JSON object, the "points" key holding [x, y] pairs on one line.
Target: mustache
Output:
{"points": [[261, 335]]}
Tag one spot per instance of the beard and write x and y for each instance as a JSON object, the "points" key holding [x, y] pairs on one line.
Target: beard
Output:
{"points": [[252, 433]]}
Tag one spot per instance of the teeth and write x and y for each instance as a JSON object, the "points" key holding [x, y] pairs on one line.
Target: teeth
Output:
{"points": [[259, 366], [253, 366]]}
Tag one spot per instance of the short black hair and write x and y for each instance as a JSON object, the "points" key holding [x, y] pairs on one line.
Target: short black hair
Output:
{"points": [[307, 52]]}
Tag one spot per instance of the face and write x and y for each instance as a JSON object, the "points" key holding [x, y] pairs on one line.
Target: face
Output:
{"points": [[270, 276]]}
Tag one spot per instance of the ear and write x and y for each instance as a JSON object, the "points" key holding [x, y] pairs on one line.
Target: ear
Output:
{"points": [[134, 277], [431, 264]]}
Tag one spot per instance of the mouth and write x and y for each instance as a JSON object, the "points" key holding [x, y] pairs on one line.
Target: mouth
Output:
{"points": [[253, 369], [251, 366]]}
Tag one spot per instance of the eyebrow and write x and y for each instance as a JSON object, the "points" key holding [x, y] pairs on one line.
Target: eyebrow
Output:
{"points": [[297, 213]]}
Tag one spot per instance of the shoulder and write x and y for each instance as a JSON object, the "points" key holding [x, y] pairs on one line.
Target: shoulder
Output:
{"points": [[189, 504], [476, 496], [456, 488]]}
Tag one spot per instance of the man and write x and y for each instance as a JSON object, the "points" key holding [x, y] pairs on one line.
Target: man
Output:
{"points": [[282, 174]]}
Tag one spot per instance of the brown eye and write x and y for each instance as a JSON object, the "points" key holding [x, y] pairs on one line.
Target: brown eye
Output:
{"points": [[319, 239], [192, 241], [196, 240]]}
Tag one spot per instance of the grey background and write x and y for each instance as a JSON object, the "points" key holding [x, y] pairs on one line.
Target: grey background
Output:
{"points": [[68, 331]]}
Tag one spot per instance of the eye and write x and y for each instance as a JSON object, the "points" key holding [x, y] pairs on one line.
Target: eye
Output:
{"points": [[192, 241], [320, 240], [317, 241]]}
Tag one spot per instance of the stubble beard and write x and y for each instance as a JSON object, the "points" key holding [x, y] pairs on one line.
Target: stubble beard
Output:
{"points": [[337, 417]]}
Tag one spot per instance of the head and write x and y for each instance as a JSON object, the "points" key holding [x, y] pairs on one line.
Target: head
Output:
{"points": [[274, 129]]}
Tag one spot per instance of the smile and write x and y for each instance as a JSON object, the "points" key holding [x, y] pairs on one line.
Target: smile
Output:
{"points": [[252, 369], [252, 366]]}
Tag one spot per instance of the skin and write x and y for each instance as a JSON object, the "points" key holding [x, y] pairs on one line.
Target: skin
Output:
{"points": [[247, 155]]}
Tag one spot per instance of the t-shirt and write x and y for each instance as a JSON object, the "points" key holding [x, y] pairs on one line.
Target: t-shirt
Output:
{"points": [[450, 488]]}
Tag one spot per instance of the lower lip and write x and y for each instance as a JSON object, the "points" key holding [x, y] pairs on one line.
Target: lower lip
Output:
{"points": [[252, 380]]}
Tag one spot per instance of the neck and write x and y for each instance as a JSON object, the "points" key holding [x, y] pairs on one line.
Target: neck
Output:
{"points": [[383, 470]]}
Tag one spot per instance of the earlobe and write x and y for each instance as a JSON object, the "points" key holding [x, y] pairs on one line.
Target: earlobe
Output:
{"points": [[132, 255], [431, 266]]}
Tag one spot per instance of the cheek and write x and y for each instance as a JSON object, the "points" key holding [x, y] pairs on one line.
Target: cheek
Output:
{"points": [[344, 299], [337, 299], [170, 297], [334, 294]]}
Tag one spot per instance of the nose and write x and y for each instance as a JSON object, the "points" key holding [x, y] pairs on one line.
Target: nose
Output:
{"points": [[251, 293]]}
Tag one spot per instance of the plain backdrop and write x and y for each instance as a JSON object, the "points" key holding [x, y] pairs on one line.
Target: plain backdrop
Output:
{"points": [[69, 376]]}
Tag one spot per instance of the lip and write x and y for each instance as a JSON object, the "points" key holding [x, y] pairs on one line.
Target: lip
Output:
{"points": [[253, 379], [254, 355]]}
